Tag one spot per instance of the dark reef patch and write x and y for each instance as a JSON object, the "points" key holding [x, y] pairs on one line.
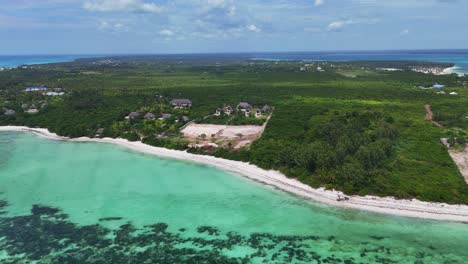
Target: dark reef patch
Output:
{"points": [[47, 236], [105, 219]]}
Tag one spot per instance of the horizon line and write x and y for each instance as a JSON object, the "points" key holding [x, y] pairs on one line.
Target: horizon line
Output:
{"points": [[233, 52]]}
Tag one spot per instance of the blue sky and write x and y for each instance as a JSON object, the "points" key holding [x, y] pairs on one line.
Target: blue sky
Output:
{"points": [[191, 26]]}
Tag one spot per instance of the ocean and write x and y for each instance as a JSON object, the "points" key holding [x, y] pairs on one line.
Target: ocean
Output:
{"points": [[64, 202], [14, 61], [457, 57]]}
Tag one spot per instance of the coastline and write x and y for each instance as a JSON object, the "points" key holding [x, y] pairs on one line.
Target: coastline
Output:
{"points": [[384, 205], [452, 70]]}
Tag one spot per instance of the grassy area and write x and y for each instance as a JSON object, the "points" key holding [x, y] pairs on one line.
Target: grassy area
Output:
{"points": [[364, 135]]}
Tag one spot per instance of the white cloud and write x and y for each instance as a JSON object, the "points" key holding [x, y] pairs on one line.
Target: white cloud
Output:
{"points": [[404, 32], [112, 26], [319, 2], [339, 25], [253, 28], [138, 6], [166, 32]]}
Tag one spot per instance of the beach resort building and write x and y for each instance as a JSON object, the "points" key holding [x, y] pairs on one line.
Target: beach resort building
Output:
{"points": [[181, 103], [244, 107], [227, 109], [10, 112], [266, 109], [99, 132], [258, 113], [150, 116], [133, 115], [165, 116]]}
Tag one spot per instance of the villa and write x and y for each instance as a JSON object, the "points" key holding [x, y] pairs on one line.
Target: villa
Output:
{"points": [[258, 113], [266, 109], [244, 107], [9, 112], [181, 103], [133, 115], [227, 109], [99, 132], [150, 116], [166, 116]]}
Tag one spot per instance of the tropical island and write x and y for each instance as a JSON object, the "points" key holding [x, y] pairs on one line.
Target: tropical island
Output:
{"points": [[355, 127]]}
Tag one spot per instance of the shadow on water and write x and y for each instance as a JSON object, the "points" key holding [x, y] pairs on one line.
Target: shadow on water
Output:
{"points": [[47, 235]]}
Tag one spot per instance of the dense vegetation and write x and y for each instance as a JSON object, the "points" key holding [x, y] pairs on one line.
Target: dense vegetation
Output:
{"points": [[364, 134]]}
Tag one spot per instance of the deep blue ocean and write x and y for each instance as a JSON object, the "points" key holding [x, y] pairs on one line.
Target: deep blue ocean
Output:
{"points": [[458, 57]]}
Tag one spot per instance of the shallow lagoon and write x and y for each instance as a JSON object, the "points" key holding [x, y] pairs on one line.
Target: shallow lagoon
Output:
{"points": [[99, 202]]}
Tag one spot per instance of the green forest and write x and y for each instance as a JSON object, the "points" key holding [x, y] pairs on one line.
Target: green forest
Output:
{"points": [[347, 126]]}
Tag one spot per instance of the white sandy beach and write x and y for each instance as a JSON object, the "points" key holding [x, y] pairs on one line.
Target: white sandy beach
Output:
{"points": [[386, 205], [451, 70]]}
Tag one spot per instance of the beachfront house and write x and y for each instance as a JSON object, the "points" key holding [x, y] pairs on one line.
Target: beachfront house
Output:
{"points": [[133, 115], [181, 103], [149, 116], [99, 132], [244, 107], [227, 109], [218, 112]]}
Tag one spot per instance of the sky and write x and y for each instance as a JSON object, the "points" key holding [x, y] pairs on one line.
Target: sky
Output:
{"points": [[208, 26]]}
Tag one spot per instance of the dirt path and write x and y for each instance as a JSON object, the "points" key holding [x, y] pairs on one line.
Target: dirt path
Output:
{"points": [[430, 116]]}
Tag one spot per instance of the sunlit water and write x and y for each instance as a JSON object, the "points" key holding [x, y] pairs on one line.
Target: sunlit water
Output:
{"points": [[209, 214]]}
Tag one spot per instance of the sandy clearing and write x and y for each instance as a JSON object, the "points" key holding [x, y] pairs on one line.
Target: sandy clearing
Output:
{"points": [[461, 159], [222, 131]]}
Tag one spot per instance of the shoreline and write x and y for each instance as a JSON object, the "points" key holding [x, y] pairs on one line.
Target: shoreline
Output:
{"points": [[384, 205], [452, 70]]}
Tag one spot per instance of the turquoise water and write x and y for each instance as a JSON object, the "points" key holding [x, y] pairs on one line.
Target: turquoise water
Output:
{"points": [[13, 61], [90, 202]]}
